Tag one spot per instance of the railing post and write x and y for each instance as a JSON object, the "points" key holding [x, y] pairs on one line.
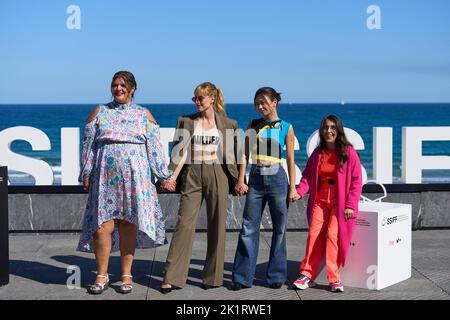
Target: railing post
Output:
{"points": [[4, 227]]}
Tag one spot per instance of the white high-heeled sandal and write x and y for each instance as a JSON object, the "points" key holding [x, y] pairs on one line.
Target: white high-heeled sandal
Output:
{"points": [[98, 288], [126, 287]]}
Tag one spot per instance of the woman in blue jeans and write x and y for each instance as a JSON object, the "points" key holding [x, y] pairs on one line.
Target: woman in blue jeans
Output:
{"points": [[268, 183]]}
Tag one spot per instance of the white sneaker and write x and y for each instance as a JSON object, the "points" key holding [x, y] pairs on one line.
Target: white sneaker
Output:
{"points": [[337, 287], [303, 282]]}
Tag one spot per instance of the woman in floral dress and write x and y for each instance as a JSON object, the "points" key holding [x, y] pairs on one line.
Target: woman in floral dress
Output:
{"points": [[121, 153]]}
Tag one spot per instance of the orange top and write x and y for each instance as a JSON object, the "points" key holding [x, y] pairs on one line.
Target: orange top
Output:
{"points": [[328, 166]]}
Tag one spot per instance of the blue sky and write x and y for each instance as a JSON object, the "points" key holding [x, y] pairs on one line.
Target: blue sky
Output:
{"points": [[311, 51]]}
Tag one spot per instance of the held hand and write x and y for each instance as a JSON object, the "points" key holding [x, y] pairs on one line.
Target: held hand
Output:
{"points": [[172, 184], [169, 185], [348, 213], [241, 188], [86, 184], [237, 188], [244, 189], [293, 195]]}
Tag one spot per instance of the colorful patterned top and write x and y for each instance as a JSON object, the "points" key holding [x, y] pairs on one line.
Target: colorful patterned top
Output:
{"points": [[270, 139], [121, 153]]}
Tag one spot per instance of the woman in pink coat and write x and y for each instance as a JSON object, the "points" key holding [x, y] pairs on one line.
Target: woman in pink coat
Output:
{"points": [[333, 178]]}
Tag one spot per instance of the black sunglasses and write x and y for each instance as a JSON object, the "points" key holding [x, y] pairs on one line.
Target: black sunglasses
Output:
{"points": [[199, 98]]}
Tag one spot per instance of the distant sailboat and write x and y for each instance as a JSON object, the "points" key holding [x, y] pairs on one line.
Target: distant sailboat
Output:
{"points": [[342, 102]]}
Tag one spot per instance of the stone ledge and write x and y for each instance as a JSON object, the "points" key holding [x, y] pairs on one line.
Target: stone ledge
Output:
{"points": [[47, 212]]}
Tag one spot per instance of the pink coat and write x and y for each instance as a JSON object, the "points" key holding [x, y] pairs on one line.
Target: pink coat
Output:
{"points": [[349, 183]]}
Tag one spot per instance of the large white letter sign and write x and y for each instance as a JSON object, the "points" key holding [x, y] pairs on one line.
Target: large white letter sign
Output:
{"points": [[39, 169], [70, 156], [298, 171], [412, 160], [382, 155], [166, 138], [353, 137]]}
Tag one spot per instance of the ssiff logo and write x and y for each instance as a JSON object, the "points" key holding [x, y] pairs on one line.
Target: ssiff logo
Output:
{"points": [[390, 220]]}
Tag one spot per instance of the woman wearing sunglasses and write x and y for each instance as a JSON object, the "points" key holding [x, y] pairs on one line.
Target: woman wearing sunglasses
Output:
{"points": [[204, 161], [268, 184], [333, 178]]}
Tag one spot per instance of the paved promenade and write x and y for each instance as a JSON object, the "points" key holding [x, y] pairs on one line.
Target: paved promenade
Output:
{"points": [[38, 267]]}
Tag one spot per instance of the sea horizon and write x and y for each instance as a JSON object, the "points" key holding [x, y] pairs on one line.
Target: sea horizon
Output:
{"points": [[226, 103]]}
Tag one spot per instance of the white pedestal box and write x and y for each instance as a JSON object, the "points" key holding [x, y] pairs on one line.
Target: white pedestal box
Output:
{"points": [[380, 251]]}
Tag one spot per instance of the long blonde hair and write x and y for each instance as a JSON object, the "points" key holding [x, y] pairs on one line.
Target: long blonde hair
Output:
{"points": [[212, 90]]}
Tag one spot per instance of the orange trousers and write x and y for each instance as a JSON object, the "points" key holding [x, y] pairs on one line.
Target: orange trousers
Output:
{"points": [[323, 236]]}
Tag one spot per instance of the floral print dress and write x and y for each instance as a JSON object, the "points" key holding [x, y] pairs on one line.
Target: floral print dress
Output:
{"points": [[121, 155]]}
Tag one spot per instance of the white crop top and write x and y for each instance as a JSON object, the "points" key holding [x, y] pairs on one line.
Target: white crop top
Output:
{"points": [[205, 142]]}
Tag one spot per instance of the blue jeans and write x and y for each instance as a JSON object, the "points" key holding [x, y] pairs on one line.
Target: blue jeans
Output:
{"points": [[263, 188]]}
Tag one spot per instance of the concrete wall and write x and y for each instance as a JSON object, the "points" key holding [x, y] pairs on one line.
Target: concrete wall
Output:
{"points": [[55, 212]]}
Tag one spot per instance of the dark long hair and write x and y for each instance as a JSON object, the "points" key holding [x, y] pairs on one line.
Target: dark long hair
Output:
{"points": [[341, 139]]}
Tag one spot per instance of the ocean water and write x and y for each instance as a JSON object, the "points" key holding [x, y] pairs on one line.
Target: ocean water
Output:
{"points": [[305, 119]]}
